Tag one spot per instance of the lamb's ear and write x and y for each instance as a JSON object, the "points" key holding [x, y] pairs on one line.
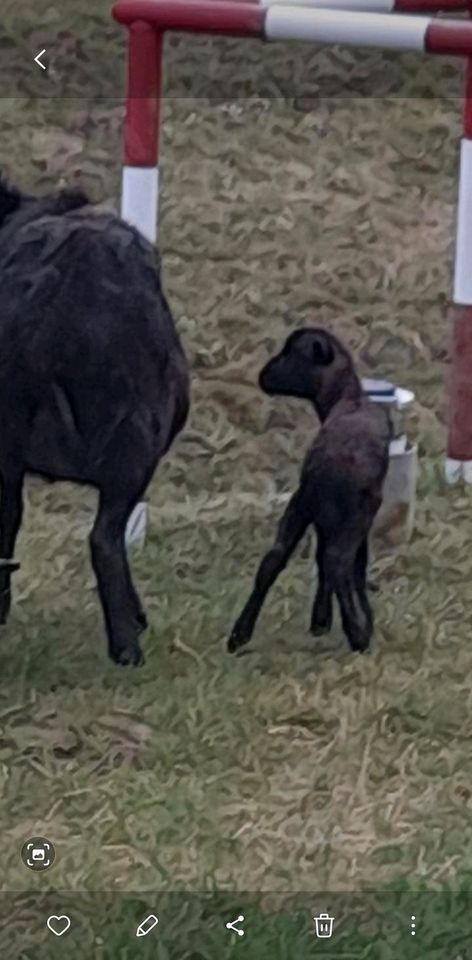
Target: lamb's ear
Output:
{"points": [[322, 350]]}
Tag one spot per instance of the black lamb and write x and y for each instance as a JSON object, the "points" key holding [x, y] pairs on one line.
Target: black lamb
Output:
{"points": [[340, 487]]}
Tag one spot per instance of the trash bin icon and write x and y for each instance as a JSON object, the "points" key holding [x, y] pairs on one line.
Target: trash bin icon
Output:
{"points": [[324, 925]]}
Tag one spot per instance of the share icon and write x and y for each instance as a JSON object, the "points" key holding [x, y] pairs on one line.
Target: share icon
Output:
{"points": [[232, 926]]}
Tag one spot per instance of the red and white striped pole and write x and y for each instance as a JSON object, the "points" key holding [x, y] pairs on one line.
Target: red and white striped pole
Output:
{"points": [[233, 18], [140, 183], [140, 186], [459, 450]]}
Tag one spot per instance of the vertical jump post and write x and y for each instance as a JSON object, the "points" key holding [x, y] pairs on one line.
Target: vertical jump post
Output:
{"points": [[148, 20], [140, 186], [459, 449], [140, 177]]}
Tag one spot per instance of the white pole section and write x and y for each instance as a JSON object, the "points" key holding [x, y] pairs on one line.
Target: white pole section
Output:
{"points": [[463, 261], [140, 199], [374, 6], [336, 26]]}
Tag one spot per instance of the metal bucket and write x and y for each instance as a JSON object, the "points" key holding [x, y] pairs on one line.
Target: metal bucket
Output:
{"points": [[395, 520]]}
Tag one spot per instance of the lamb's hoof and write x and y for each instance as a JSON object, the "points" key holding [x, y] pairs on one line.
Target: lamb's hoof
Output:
{"points": [[319, 628], [360, 646], [128, 656], [321, 616]]}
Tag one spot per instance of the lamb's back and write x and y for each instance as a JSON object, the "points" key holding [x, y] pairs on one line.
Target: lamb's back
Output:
{"points": [[350, 450]]}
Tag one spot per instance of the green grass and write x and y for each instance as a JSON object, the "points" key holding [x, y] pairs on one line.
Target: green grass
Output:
{"points": [[299, 766]]}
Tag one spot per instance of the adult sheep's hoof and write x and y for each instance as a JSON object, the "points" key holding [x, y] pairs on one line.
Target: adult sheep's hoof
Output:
{"points": [[233, 643], [131, 656], [237, 639], [5, 604]]}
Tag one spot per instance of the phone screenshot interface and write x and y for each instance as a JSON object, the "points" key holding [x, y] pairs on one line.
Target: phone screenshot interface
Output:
{"points": [[235, 585]]}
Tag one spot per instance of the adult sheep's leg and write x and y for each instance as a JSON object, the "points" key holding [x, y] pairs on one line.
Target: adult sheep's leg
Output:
{"points": [[124, 618], [11, 512], [322, 613], [361, 563], [290, 531]]}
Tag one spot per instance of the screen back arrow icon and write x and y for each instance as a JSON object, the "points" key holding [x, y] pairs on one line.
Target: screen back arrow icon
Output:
{"points": [[38, 60]]}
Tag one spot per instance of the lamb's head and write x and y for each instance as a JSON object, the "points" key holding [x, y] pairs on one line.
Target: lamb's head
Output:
{"points": [[315, 366]]}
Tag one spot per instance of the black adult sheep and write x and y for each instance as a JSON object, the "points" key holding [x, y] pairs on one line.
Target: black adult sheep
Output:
{"points": [[340, 486], [94, 384]]}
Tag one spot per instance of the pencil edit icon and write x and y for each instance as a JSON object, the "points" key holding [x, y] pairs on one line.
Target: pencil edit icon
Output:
{"points": [[147, 925]]}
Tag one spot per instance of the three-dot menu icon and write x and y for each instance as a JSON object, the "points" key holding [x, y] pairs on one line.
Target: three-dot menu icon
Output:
{"points": [[413, 926]]}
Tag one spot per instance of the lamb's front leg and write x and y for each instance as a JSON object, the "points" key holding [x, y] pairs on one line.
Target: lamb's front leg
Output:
{"points": [[290, 531]]}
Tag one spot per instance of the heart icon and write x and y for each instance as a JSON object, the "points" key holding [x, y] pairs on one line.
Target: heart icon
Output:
{"points": [[58, 925]]}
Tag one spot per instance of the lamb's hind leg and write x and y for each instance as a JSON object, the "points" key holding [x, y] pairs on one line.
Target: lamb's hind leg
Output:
{"points": [[11, 512], [124, 618], [342, 575]]}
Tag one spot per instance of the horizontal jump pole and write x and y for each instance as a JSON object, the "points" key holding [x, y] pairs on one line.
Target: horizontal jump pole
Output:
{"points": [[238, 19], [375, 6]]}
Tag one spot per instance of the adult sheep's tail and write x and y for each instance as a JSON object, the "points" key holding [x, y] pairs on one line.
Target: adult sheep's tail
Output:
{"points": [[10, 199]]}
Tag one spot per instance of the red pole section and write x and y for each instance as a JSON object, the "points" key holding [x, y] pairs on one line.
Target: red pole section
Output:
{"points": [[430, 6], [143, 98], [449, 37], [232, 19]]}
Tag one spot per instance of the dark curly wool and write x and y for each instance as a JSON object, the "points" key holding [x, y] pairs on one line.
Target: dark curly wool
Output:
{"points": [[94, 384], [340, 487]]}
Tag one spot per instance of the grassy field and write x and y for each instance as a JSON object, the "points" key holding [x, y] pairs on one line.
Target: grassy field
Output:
{"points": [[290, 194]]}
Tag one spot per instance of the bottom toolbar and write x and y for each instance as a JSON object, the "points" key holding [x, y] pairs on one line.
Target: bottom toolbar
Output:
{"points": [[269, 926]]}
